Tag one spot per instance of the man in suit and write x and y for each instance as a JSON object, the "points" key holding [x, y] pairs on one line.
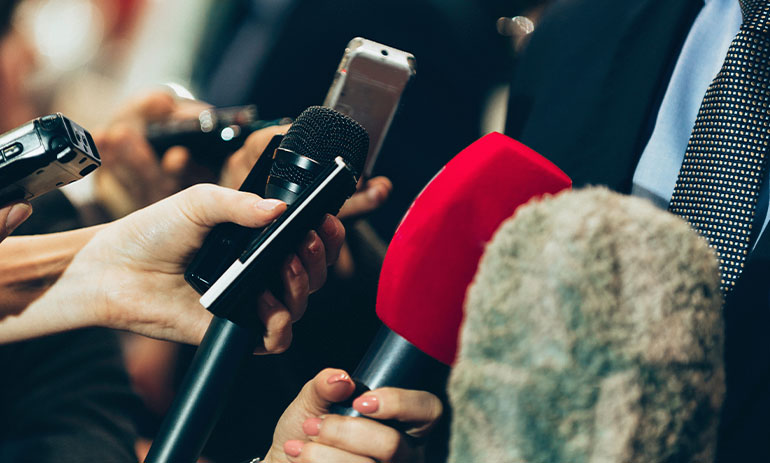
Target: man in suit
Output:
{"points": [[609, 91]]}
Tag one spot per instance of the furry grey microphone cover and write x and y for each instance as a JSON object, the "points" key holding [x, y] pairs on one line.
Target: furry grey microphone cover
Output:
{"points": [[593, 334]]}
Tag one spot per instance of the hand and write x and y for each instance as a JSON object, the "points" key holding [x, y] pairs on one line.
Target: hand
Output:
{"points": [[373, 193], [130, 275], [132, 174], [368, 198], [12, 216], [238, 166], [305, 433]]}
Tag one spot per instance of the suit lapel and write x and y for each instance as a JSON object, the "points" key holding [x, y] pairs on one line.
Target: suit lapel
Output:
{"points": [[612, 95]]}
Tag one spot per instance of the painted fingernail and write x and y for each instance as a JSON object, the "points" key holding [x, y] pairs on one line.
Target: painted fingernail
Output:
{"points": [[366, 404], [18, 214], [269, 204], [293, 447], [312, 426], [338, 378]]}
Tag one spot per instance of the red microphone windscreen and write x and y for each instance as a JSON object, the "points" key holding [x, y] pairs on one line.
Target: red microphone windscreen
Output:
{"points": [[434, 253]]}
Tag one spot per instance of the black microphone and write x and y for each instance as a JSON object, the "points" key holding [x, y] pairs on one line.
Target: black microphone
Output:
{"points": [[314, 171]]}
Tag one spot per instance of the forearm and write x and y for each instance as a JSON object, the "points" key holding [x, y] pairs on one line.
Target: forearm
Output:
{"points": [[64, 306], [29, 265]]}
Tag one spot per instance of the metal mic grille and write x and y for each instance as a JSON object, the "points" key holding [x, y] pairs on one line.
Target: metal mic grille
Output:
{"points": [[322, 134]]}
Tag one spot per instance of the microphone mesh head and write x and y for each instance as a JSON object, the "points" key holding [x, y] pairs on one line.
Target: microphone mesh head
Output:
{"points": [[322, 134]]}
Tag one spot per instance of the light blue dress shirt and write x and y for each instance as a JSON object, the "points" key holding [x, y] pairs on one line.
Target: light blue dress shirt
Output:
{"points": [[700, 60]]}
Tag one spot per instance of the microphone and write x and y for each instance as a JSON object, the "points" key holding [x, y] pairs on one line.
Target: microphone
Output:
{"points": [[287, 166], [433, 256], [315, 170], [593, 333]]}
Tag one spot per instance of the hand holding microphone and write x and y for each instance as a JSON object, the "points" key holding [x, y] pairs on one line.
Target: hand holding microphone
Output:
{"points": [[434, 254], [314, 170], [368, 197], [307, 432], [130, 274]]}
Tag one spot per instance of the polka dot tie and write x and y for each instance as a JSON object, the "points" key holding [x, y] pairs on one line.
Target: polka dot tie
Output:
{"points": [[718, 184]]}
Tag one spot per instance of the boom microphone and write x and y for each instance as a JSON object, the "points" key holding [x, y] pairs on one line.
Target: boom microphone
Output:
{"points": [[314, 171], [593, 332], [434, 254]]}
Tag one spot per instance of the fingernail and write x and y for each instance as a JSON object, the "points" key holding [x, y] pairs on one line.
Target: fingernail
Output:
{"points": [[312, 426], [338, 378], [18, 214], [269, 204], [293, 447], [311, 243], [296, 266], [375, 193], [366, 404], [328, 226]]}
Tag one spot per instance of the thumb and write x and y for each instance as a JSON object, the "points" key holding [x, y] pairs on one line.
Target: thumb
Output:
{"points": [[328, 387], [208, 205], [12, 216]]}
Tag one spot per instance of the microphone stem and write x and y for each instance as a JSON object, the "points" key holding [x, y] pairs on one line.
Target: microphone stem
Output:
{"points": [[393, 361], [196, 409]]}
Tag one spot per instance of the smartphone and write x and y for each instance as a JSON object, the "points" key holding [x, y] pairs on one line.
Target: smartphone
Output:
{"points": [[367, 86], [42, 155]]}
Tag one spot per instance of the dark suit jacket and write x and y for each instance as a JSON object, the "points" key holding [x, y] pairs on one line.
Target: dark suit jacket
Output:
{"points": [[585, 94]]}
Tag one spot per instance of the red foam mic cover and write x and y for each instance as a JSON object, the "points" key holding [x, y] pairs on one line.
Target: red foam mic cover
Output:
{"points": [[434, 253]]}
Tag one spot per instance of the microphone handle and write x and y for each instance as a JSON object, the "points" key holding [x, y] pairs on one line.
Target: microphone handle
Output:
{"points": [[197, 406], [395, 362], [199, 402]]}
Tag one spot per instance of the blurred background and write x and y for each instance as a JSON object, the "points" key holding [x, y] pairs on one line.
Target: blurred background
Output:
{"points": [[87, 58]]}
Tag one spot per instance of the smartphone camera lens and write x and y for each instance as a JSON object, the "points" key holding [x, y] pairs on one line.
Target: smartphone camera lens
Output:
{"points": [[384, 52]]}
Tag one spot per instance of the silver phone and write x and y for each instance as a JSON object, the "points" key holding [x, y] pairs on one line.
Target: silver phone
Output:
{"points": [[367, 87]]}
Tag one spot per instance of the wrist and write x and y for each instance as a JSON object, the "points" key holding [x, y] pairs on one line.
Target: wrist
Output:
{"points": [[62, 308], [32, 264]]}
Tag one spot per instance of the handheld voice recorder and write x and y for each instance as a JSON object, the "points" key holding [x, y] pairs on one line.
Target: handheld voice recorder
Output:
{"points": [[42, 155], [212, 136]]}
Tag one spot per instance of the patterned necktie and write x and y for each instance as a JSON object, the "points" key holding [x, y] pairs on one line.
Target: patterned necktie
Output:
{"points": [[718, 184]]}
